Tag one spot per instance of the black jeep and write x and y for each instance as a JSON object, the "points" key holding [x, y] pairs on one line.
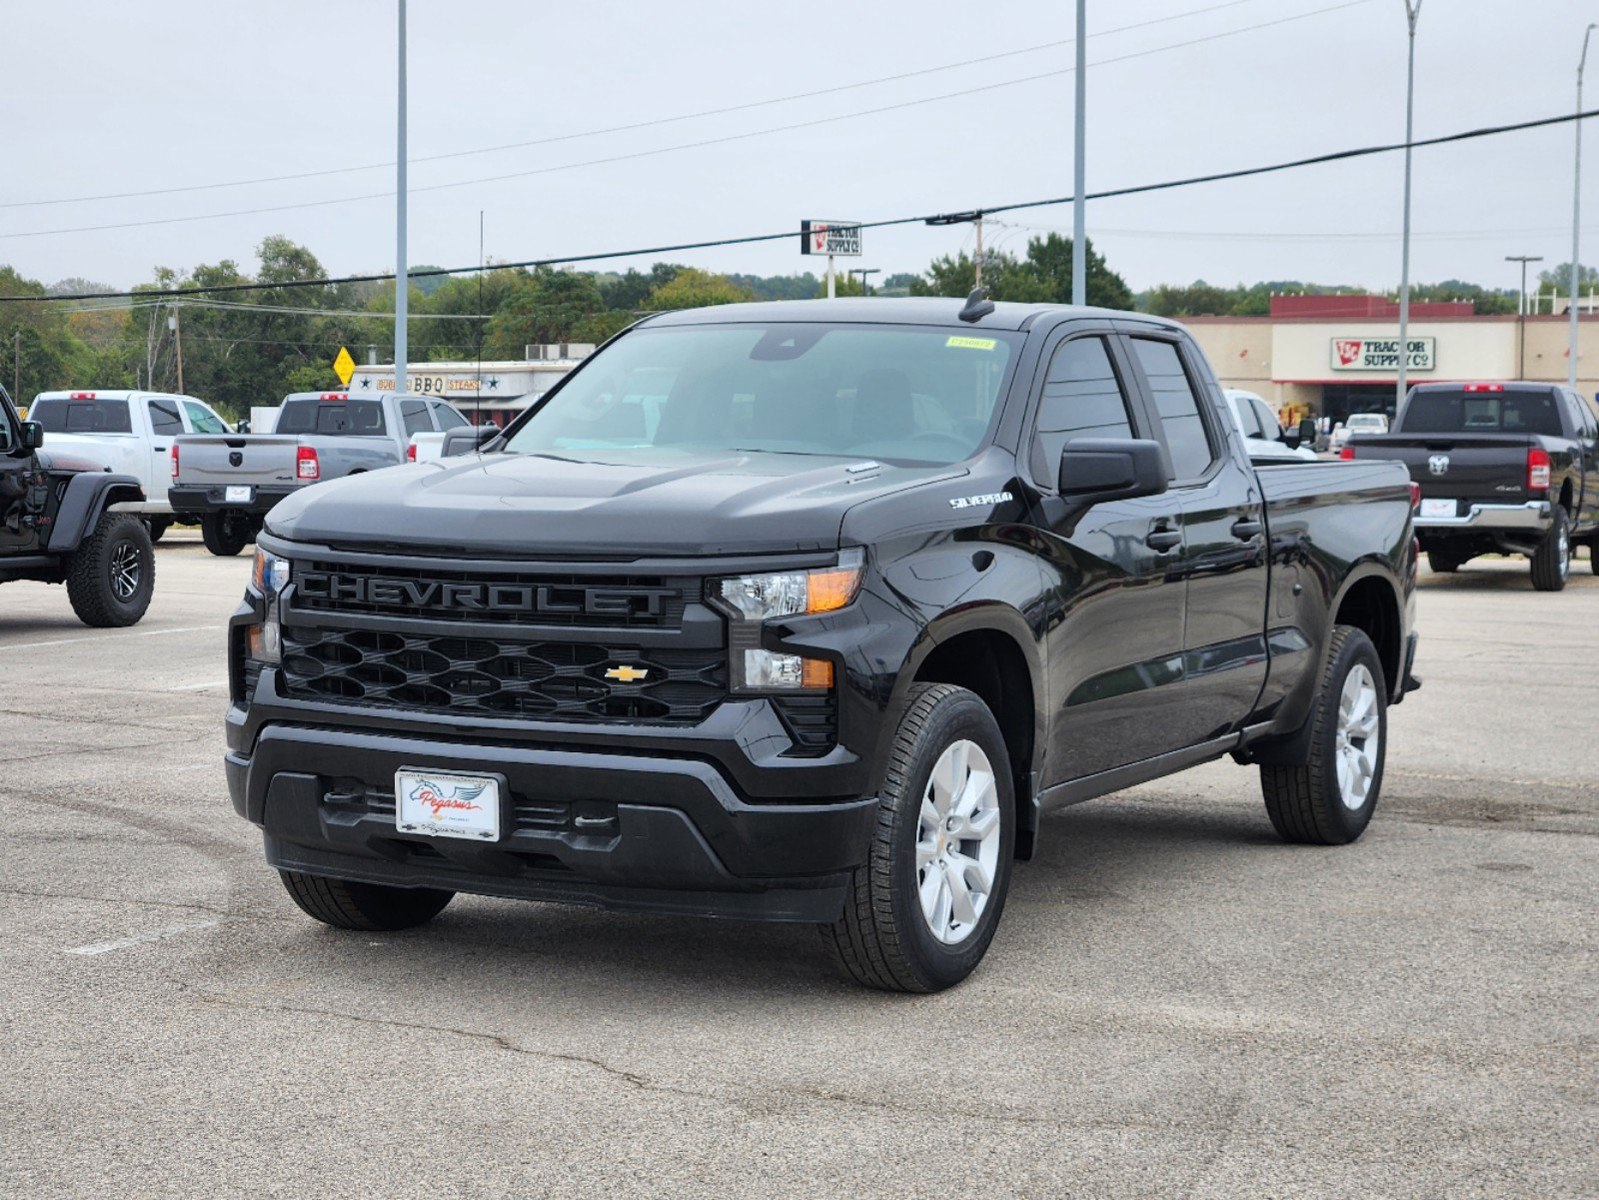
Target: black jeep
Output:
{"points": [[56, 526]]}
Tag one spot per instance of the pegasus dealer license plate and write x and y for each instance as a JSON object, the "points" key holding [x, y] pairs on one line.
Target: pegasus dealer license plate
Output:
{"points": [[445, 804], [1437, 508]]}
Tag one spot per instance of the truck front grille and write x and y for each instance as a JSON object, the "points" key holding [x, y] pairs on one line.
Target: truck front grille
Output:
{"points": [[493, 677]]}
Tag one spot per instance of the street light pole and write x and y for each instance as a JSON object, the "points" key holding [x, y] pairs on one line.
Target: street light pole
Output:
{"points": [[863, 272], [1079, 163], [402, 285], [1576, 216], [1521, 311], [1412, 12]]}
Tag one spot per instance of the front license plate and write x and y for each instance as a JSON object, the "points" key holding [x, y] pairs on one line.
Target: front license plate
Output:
{"points": [[444, 804], [1437, 508], [239, 495]]}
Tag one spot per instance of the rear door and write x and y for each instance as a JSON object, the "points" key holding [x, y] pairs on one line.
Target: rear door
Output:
{"points": [[1113, 590], [1223, 559], [166, 422]]}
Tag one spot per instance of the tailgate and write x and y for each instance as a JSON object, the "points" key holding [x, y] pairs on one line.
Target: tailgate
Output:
{"points": [[1485, 467], [233, 459]]}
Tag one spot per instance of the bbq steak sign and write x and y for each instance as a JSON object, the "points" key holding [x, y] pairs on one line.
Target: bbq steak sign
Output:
{"points": [[1382, 354]]}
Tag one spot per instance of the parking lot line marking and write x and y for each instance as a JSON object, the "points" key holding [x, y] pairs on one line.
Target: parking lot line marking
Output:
{"points": [[103, 637], [196, 687], [155, 935]]}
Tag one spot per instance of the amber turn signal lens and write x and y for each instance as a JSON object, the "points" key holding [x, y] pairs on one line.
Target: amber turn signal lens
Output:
{"points": [[257, 642], [816, 673], [830, 590]]}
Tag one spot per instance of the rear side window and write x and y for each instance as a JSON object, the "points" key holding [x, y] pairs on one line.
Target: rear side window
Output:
{"points": [[1177, 407], [1082, 399], [1248, 417], [414, 414], [1482, 412], [353, 417], [203, 419], [164, 417], [83, 416]]}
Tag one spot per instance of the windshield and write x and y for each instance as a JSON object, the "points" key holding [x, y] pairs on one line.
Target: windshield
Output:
{"points": [[1482, 412], [81, 416], [352, 417], [907, 394]]}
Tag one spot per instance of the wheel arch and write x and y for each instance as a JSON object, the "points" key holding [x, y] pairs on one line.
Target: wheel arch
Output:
{"points": [[1370, 601], [87, 496]]}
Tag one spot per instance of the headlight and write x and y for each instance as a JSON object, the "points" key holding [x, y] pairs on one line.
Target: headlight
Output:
{"points": [[752, 599], [269, 577]]}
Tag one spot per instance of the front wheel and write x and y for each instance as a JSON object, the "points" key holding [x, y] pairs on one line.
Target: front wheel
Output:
{"points": [[1551, 562], [112, 574], [225, 533], [1329, 800], [920, 914], [372, 907]]}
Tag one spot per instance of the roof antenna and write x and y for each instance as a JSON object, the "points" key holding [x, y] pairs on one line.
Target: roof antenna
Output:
{"points": [[978, 305]]}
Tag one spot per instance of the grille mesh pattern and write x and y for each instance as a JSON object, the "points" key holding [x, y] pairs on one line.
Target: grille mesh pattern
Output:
{"points": [[494, 677]]}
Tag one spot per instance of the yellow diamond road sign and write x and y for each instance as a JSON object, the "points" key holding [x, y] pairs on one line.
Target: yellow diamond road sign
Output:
{"points": [[344, 366]]}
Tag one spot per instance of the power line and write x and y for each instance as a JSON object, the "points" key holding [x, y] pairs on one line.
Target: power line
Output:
{"points": [[696, 145], [232, 306], [636, 125], [712, 243]]}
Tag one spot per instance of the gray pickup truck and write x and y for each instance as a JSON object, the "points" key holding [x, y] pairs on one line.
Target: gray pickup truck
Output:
{"points": [[231, 481]]}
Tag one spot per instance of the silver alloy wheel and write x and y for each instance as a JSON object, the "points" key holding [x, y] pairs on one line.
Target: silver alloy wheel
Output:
{"points": [[1358, 740], [125, 570], [1563, 549], [957, 842]]}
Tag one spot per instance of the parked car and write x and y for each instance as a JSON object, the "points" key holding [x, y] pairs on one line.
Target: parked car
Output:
{"points": [[1504, 468], [813, 628], [1263, 436], [228, 482], [127, 432], [60, 522], [1358, 425]]}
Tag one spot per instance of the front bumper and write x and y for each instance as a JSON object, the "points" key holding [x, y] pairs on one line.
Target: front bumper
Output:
{"points": [[214, 499], [1533, 516]]}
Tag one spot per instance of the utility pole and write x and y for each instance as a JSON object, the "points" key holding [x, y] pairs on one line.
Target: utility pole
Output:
{"points": [[1576, 216], [177, 336], [1079, 199], [863, 272], [1521, 311], [1412, 11], [402, 285]]}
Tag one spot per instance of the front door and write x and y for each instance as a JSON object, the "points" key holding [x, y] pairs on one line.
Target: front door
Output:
{"points": [[18, 469], [1114, 591], [166, 423]]}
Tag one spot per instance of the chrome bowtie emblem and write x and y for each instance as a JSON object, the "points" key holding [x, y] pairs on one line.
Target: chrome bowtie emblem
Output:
{"points": [[1438, 464]]}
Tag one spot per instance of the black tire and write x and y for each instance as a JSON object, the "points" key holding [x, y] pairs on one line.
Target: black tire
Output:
{"points": [[157, 527], [1306, 803], [1551, 563], [112, 573], [1593, 556], [372, 907], [883, 940], [1443, 564], [225, 533]]}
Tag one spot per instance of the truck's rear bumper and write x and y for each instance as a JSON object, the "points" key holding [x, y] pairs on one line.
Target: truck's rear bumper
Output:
{"points": [[616, 830], [1534, 516], [214, 499]]}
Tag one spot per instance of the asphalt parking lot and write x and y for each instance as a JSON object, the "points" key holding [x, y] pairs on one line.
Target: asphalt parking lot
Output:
{"points": [[1176, 1004]]}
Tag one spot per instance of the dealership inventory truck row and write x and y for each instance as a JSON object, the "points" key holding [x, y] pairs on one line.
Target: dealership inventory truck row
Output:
{"points": [[808, 612]]}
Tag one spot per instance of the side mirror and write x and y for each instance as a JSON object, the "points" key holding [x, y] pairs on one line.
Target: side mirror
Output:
{"points": [[32, 435], [464, 441], [1097, 469], [243, 426], [1305, 435]]}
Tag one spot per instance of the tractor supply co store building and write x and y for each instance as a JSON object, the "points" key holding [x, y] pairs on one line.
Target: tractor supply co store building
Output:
{"points": [[1329, 356]]}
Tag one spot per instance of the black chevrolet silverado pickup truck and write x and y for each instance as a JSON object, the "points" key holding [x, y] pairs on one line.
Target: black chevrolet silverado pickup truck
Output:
{"points": [[1504, 468], [808, 612]]}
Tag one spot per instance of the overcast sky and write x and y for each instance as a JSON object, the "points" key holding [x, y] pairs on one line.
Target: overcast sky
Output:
{"points": [[102, 97]]}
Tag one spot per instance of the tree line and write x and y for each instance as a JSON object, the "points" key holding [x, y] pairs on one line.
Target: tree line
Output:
{"points": [[253, 347]]}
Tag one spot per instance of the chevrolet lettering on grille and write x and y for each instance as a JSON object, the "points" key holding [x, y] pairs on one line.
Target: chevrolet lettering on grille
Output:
{"points": [[334, 588]]}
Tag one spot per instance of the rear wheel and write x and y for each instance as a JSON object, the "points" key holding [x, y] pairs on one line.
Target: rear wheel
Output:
{"points": [[157, 526], [226, 533], [1443, 564], [1330, 799], [1551, 563], [366, 906], [112, 574], [921, 912]]}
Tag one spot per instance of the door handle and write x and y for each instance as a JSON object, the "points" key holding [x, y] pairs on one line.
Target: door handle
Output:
{"points": [[1247, 528], [1163, 539], [159, 447]]}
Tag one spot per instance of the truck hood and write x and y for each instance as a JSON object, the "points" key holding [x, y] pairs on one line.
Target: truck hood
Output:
{"points": [[522, 505]]}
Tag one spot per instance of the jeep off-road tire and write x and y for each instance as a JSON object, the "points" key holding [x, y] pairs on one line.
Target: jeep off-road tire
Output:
{"points": [[941, 853], [111, 576], [371, 907], [1551, 562], [225, 533], [1329, 800]]}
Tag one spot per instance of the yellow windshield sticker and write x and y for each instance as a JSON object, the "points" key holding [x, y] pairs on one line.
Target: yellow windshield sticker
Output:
{"points": [[971, 343]]}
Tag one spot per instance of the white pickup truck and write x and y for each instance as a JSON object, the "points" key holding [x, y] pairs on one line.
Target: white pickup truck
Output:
{"points": [[128, 433]]}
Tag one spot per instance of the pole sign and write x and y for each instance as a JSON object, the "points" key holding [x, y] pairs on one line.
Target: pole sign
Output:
{"points": [[1382, 354], [830, 237]]}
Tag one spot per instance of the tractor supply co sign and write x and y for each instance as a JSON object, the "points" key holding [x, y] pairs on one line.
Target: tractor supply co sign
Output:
{"points": [[830, 237], [1382, 354]]}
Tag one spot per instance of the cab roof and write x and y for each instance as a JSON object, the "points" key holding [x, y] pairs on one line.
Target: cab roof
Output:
{"points": [[888, 310]]}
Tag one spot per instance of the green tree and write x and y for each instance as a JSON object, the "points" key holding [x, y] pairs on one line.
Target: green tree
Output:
{"points": [[630, 291], [693, 288], [1049, 261], [547, 306]]}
